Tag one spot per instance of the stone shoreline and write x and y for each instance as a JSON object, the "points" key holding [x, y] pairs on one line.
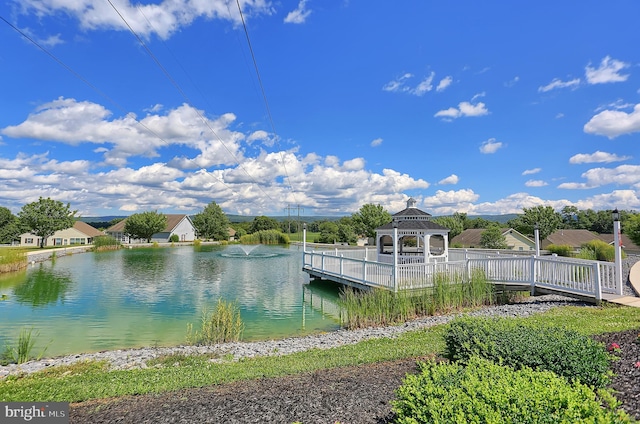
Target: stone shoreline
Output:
{"points": [[137, 358]]}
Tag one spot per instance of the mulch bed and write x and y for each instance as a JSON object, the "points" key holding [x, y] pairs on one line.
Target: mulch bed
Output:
{"points": [[347, 395]]}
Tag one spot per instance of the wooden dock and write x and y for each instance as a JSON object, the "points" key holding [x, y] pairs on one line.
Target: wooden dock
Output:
{"points": [[584, 279]]}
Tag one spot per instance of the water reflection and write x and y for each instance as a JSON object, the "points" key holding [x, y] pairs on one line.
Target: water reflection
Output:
{"points": [[44, 286]]}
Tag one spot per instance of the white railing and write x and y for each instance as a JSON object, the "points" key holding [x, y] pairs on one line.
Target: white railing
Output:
{"points": [[580, 277]]}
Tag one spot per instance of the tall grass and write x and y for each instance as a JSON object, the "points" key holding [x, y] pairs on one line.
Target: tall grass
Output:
{"points": [[383, 307], [12, 259], [265, 237], [223, 324], [102, 243], [21, 352], [598, 250]]}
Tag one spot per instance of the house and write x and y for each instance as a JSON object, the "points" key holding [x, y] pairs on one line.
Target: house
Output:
{"points": [[573, 238], [470, 238], [627, 245], [178, 224], [81, 233]]}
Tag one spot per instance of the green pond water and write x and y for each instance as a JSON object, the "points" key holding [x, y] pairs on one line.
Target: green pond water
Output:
{"points": [[146, 297]]}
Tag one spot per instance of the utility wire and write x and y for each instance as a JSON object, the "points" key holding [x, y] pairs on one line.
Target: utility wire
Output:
{"points": [[97, 90], [204, 120], [264, 96]]}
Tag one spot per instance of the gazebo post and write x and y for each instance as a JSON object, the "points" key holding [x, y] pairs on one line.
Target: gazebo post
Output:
{"points": [[395, 255]]}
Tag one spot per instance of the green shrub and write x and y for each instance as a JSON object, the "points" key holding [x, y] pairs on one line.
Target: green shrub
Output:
{"points": [[12, 259], [222, 325], [265, 237], [520, 343], [106, 242], [174, 238], [484, 392], [561, 249], [598, 250]]}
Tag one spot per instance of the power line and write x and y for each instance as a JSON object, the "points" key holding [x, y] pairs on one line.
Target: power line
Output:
{"points": [[97, 90], [264, 96], [184, 95]]}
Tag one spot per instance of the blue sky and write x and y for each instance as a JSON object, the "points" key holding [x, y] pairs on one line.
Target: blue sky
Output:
{"points": [[478, 107]]}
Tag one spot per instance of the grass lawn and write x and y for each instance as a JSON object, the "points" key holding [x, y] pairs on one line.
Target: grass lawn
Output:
{"points": [[92, 380]]}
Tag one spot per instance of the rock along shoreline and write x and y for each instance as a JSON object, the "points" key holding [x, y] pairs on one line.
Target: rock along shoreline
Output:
{"points": [[137, 358]]}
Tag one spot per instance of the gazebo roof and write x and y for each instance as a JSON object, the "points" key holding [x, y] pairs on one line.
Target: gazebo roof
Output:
{"points": [[413, 225], [413, 219]]}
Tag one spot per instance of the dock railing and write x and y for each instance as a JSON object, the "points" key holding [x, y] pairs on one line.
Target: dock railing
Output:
{"points": [[564, 275]]}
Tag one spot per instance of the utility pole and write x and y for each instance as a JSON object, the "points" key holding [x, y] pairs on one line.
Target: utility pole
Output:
{"points": [[289, 209]]}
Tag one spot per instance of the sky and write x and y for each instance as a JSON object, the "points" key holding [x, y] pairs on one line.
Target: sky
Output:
{"points": [[317, 107]]}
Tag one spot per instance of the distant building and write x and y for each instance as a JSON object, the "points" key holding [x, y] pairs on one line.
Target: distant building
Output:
{"points": [[471, 237], [627, 245], [81, 233], [178, 224], [573, 238]]}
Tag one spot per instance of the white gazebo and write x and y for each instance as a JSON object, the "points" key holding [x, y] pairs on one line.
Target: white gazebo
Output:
{"points": [[411, 237]]}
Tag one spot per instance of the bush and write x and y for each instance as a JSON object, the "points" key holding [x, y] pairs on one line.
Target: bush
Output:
{"points": [[222, 325], [265, 237], [174, 238], [561, 249], [489, 393], [519, 343], [598, 250], [105, 243]]}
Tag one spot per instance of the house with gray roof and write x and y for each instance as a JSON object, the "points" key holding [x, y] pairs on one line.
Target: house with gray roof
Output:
{"points": [[178, 224], [471, 237]]}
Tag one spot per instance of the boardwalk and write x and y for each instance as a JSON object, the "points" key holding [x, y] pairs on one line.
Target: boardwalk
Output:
{"points": [[584, 279]]}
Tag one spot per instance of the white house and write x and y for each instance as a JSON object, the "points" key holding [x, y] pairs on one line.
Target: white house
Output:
{"points": [[81, 233], [180, 225]]}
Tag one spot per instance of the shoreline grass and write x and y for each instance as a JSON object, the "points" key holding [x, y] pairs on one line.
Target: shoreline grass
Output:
{"points": [[92, 380]]}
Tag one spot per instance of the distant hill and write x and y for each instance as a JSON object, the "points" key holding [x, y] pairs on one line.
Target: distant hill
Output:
{"points": [[249, 218]]}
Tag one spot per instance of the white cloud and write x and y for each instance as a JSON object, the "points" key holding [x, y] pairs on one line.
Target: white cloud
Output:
{"points": [[398, 85], [73, 122], [557, 83], [559, 115], [512, 82], [612, 123], [299, 15], [425, 85], [531, 171], [163, 18], [608, 71], [597, 177], [444, 83], [536, 183], [401, 85], [376, 142], [451, 179], [452, 197], [463, 109], [597, 157], [490, 146]]}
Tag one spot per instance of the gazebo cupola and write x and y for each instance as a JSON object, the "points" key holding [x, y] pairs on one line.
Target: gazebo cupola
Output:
{"points": [[418, 239]]}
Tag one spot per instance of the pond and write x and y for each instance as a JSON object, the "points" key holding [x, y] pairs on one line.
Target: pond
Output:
{"points": [[139, 297]]}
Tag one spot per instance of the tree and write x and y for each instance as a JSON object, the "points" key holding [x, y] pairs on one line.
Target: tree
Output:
{"points": [[453, 223], [212, 223], [328, 232], [632, 228], [492, 238], [545, 217], [46, 216], [370, 217], [10, 228], [144, 225], [262, 223]]}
